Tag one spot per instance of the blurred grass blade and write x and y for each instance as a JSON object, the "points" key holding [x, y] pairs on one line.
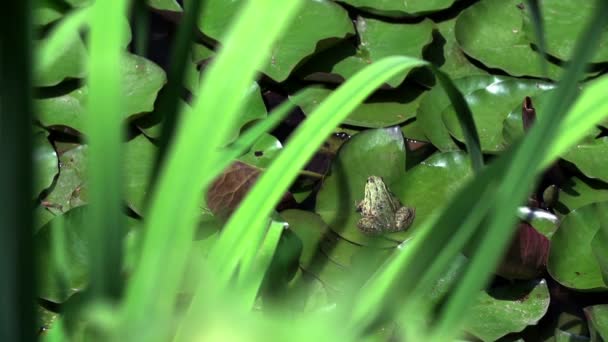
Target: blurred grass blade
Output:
{"points": [[60, 37], [465, 119], [106, 132], [173, 211], [537, 24], [519, 179], [141, 27], [249, 220], [59, 248], [17, 268]]}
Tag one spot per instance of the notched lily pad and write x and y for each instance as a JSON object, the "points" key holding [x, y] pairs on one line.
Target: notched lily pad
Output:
{"points": [[141, 82], [377, 152], [377, 39], [571, 260], [45, 162], [69, 190], [316, 25], [69, 62], [563, 23], [384, 108], [503, 310], [500, 43]]}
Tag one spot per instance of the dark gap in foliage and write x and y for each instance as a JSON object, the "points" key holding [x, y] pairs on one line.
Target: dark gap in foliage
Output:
{"points": [[451, 12], [63, 88]]}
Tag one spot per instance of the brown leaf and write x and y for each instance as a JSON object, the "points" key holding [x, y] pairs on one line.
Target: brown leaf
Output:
{"points": [[229, 189], [527, 254]]}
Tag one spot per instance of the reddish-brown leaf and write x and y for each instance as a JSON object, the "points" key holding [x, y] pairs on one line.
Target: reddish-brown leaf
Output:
{"points": [[527, 254]]}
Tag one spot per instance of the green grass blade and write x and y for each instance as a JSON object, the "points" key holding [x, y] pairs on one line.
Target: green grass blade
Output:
{"points": [[465, 119], [250, 219], [106, 132], [173, 209]]}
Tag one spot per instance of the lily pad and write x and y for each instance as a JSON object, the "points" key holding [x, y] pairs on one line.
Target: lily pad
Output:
{"points": [[399, 8], [47, 11], [563, 23], [70, 188], [503, 310], [58, 282], [543, 221], [69, 62], [490, 106], [382, 109], [571, 260], [139, 159], [452, 59], [434, 102], [500, 43], [45, 162], [591, 157], [418, 188], [413, 131], [377, 152], [579, 192], [165, 5], [311, 230], [263, 151], [377, 39], [313, 26], [142, 80], [598, 321], [598, 247]]}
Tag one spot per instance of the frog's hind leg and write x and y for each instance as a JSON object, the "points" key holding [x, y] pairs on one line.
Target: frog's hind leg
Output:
{"points": [[368, 226]]}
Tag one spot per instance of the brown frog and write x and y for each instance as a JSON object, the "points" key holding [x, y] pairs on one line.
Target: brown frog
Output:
{"points": [[382, 212]]}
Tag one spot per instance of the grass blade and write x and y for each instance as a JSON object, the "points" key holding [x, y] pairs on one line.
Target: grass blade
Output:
{"points": [[106, 132]]}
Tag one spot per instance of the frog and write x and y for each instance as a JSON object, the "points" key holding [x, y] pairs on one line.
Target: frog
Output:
{"points": [[381, 211]]}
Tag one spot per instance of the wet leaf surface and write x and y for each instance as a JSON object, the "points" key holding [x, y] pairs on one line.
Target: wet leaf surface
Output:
{"points": [[507, 309]]}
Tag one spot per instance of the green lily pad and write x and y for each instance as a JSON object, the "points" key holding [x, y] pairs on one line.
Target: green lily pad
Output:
{"points": [[451, 58], [500, 43], [563, 23], [571, 260], [42, 216], [311, 230], [503, 310], [46, 163], [434, 102], [579, 192], [598, 321], [69, 62], [70, 188], [377, 39], [263, 151], [591, 157], [412, 130], [377, 152], [57, 282], [399, 8], [447, 171], [315, 24], [139, 158], [598, 247], [142, 80], [165, 5], [544, 222], [490, 106], [47, 11], [382, 109]]}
